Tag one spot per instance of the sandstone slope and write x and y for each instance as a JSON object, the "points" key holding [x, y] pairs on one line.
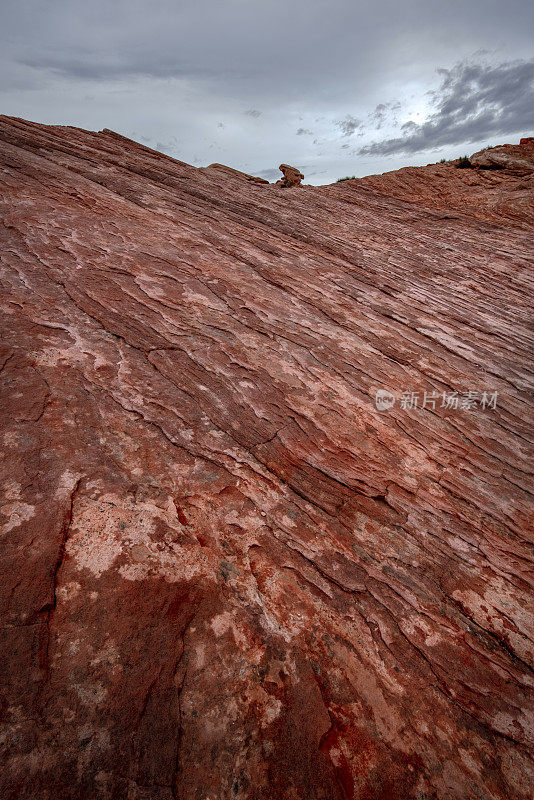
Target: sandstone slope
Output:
{"points": [[225, 573], [500, 189]]}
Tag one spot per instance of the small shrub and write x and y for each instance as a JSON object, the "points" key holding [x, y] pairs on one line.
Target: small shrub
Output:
{"points": [[443, 161], [348, 178], [464, 163]]}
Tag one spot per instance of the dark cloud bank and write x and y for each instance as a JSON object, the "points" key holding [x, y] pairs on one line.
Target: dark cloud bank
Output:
{"points": [[474, 102], [335, 87]]}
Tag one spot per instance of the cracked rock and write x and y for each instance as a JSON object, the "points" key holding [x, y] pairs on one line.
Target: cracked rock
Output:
{"points": [[228, 570]]}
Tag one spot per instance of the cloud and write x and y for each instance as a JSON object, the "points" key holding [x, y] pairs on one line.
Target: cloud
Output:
{"points": [[303, 131], [382, 112], [171, 146], [269, 173], [160, 67], [475, 102], [253, 112], [348, 125]]}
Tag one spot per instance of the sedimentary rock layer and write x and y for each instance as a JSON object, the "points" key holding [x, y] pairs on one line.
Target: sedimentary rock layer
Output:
{"points": [[501, 191], [225, 573]]}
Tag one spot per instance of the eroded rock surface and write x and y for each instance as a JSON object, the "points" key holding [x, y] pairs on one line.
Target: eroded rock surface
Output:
{"points": [[502, 196], [224, 573], [236, 173], [507, 156]]}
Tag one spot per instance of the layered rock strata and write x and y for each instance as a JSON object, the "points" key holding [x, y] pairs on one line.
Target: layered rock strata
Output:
{"points": [[225, 572]]}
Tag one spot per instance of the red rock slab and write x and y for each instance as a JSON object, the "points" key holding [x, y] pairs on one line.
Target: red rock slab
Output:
{"points": [[225, 573]]}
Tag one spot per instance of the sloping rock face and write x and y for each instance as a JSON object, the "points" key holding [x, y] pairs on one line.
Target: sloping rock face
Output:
{"points": [[501, 194], [225, 573], [236, 173]]}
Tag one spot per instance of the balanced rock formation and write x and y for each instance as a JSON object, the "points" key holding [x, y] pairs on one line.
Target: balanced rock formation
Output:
{"points": [[292, 176], [266, 522]]}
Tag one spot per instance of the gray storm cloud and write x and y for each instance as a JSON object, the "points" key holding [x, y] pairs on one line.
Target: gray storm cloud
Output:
{"points": [[474, 102], [348, 125], [253, 83]]}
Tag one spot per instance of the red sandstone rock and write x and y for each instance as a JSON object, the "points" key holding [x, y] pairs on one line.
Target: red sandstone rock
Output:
{"points": [[292, 176], [500, 196], [225, 574], [518, 159], [229, 171]]}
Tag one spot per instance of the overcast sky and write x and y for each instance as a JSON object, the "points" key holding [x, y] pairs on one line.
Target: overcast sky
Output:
{"points": [[335, 87]]}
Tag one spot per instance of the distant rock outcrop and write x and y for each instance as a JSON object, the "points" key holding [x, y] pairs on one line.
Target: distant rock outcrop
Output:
{"points": [[517, 159], [503, 196], [292, 176], [265, 480]]}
